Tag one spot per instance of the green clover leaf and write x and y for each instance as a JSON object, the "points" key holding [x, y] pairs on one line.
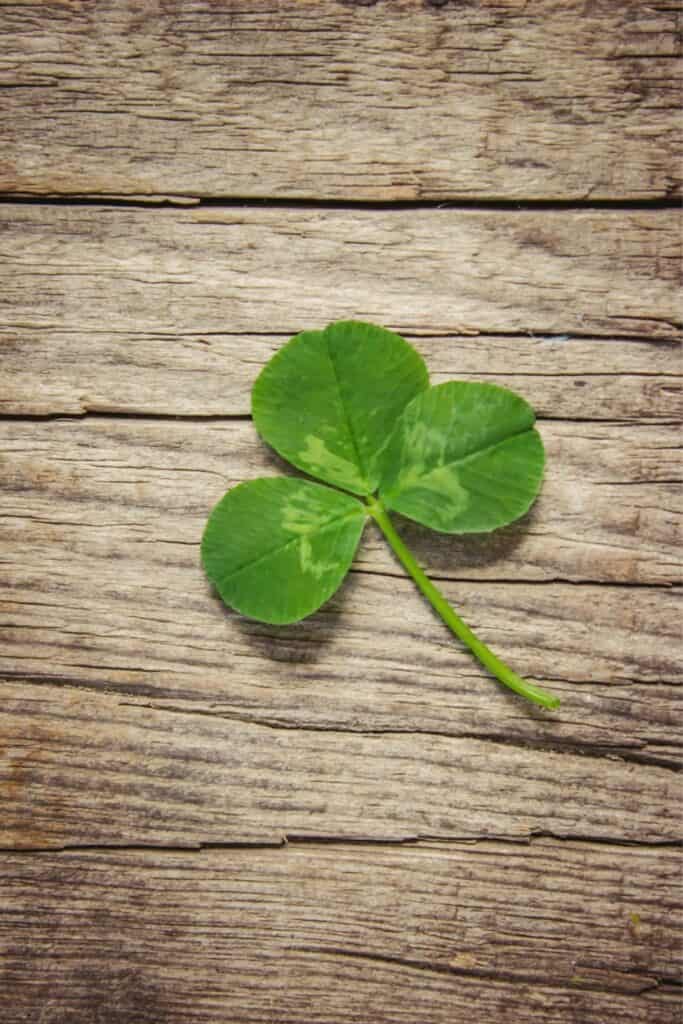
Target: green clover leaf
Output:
{"points": [[329, 400], [277, 548], [464, 458]]}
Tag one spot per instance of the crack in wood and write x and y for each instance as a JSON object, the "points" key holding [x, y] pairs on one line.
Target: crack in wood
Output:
{"points": [[576, 749], [648, 982], [418, 840]]}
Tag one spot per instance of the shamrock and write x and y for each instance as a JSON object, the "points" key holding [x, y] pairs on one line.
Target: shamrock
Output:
{"points": [[351, 406]]}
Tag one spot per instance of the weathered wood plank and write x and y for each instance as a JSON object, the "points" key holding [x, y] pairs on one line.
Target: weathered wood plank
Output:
{"points": [[136, 709], [48, 371], [256, 270], [93, 768], [377, 662], [393, 101], [607, 511], [548, 932], [100, 532], [373, 659], [101, 524]]}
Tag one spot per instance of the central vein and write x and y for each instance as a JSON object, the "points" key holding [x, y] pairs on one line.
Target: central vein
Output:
{"points": [[349, 424]]}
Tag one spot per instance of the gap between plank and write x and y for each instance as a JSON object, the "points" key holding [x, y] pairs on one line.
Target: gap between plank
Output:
{"points": [[155, 200], [411, 334], [162, 417]]}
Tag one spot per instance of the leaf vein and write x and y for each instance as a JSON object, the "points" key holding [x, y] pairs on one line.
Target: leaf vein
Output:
{"points": [[347, 417], [252, 563]]}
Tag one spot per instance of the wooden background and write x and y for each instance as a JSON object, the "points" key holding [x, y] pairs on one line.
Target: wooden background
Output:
{"points": [[204, 819]]}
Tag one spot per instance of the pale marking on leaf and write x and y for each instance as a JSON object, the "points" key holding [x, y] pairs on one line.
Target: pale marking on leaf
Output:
{"points": [[295, 539], [309, 564], [442, 481], [303, 517], [418, 476], [318, 456]]}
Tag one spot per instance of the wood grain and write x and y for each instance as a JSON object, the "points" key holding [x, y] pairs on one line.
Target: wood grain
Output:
{"points": [[264, 269], [398, 101], [96, 768], [607, 510], [47, 372], [100, 531], [361, 933], [206, 820]]}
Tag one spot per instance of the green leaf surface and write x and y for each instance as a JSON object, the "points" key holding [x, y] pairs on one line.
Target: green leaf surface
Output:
{"points": [[329, 400], [277, 548], [464, 458], [352, 406]]}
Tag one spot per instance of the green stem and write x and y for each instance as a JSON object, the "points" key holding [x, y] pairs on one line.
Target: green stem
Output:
{"points": [[497, 667]]}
